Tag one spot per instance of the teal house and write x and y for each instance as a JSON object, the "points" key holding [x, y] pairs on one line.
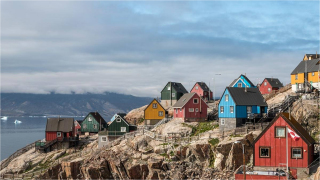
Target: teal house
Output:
{"points": [[240, 105], [93, 123], [119, 126], [242, 81]]}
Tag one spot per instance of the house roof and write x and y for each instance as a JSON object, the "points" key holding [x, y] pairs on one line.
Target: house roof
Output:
{"points": [[202, 85], [177, 86], [97, 117], [245, 77], [184, 99], [295, 126], [121, 115], [274, 82], [312, 66], [157, 102], [79, 121], [313, 56], [251, 97], [59, 124]]}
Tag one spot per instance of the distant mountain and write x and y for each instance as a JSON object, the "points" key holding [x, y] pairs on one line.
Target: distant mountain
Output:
{"points": [[23, 104]]}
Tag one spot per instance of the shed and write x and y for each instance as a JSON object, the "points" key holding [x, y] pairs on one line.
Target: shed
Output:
{"points": [[59, 128]]}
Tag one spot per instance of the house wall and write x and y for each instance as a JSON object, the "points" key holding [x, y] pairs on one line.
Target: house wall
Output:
{"points": [[115, 127], [263, 177], [166, 94], [89, 125], [52, 135], [226, 104], [299, 80], [151, 113], [180, 114], [195, 116], [278, 149], [199, 91], [264, 88], [314, 78], [102, 143], [244, 82]]}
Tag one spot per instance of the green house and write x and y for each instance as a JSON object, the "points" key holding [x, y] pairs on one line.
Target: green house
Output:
{"points": [[171, 93], [120, 126], [93, 123]]}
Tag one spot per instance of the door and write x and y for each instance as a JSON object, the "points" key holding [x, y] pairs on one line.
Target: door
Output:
{"points": [[64, 135]]}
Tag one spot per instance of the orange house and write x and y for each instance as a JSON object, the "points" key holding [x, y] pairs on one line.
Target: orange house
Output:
{"points": [[154, 113]]}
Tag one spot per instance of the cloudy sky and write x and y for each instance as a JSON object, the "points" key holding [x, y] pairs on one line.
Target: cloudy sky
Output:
{"points": [[137, 47]]}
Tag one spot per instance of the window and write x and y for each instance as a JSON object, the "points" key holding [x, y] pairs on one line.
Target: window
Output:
{"points": [[269, 89], [280, 132], [312, 73], [123, 129], [90, 118], [249, 109], [296, 77], [197, 87], [118, 120], [231, 109], [239, 84], [154, 105], [160, 113], [221, 109], [195, 101], [84, 126], [94, 126], [180, 110], [176, 111], [169, 88], [197, 110], [265, 83], [226, 97], [296, 153], [173, 95], [191, 109], [103, 139], [265, 152], [222, 122], [58, 134]]}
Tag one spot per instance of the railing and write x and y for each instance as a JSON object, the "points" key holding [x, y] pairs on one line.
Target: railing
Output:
{"points": [[6, 162], [163, 121]]}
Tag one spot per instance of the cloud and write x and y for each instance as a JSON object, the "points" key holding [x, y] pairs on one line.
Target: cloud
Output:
{"points": [[137, 47]]}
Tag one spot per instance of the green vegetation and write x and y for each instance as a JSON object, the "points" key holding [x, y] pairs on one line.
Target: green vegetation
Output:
{"points": [[163, 144], [212, 159], [176, 145], [214, 141], [171, 153], [140, 120], [201, 127], [64, 155], [316, 136]]}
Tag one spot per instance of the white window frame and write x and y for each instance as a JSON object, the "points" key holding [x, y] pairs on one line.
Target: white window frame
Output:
{"points": [[90, 119], [312, 73], [173, 95], [123, 129], [169, 88], [296, 78], [95, 126], [197, 109], [284, 132], [196, 100], [226, 97], [239, 84], [269, 89], [191, 109], [231, 108], [180, 110], [222, 121], [102, 139], [197, 87], [160, 112], [221, 109], [58, 134], [118, 120], [176, 111], [265, 83], [295, 148], [249, 109], [154, 105]]}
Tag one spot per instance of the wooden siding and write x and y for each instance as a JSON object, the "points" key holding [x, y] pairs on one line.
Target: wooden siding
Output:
{"points": [[115, 127], [180, 114], [262, 177], [52, 135], [201, 92], [166, 94], [243, 82], [264, 88], [314, 78], [226, 104], [151, 113], [89, 125], [299, 80], [278, 149]]}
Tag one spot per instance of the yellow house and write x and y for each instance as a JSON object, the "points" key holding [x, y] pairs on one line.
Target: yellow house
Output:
{"points": [[154, 113], [305, 76]]}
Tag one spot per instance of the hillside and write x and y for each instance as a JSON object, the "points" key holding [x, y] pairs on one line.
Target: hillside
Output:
{"points": [[20, 104]]}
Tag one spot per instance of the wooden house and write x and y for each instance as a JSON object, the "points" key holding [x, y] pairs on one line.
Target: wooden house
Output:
{"points": [[240, 105], [242, 81], [190, 108], [305, 76], [119, 126], [202, 90], [307, 57], [269, 85], [270, 147], [93, 123], [154, 113], [77, 126], [171, 93], [59, 128]]}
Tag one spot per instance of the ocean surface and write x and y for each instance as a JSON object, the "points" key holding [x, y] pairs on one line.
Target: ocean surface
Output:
{"points": [[16, 136]]}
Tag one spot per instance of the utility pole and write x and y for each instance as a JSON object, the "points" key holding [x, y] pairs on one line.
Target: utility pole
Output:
{"points": [[214, 89]]}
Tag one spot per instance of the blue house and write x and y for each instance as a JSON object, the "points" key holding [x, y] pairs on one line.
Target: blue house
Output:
{"points": [[239, 105], [242, 81]]}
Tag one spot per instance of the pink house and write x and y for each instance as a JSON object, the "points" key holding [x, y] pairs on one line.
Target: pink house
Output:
{"points": [[191, 108], [202, 90]]}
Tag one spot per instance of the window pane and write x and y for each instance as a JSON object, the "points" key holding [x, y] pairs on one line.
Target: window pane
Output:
{"points": [[264, 152], [280, 132], [221, 109], [296, 153]]}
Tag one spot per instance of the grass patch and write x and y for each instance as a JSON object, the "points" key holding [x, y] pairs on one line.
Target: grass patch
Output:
{"points": [[164, 154], [176, 145], [212, 159], [140, 120], [164, 144], [203, 127], [171, 153], [214, 141]]}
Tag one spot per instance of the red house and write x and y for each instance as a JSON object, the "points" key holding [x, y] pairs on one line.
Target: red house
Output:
{"points": [[270, 147], [190, 107], [77, 127], [270, 84], [59, 128], [202, 90]]}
